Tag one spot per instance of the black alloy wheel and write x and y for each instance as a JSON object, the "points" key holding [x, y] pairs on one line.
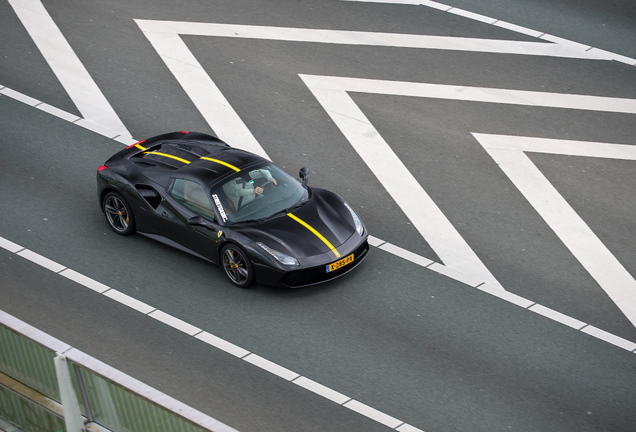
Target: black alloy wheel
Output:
{"points": [[118, 214], [237, 266]]}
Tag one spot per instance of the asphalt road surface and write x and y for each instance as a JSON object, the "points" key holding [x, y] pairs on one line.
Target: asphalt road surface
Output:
{"points": [[490, 156]]}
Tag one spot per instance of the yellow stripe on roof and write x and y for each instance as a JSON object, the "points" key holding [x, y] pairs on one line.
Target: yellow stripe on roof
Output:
{"points": [[316, 233], [140, 147], [171, 156], [221, 162]]}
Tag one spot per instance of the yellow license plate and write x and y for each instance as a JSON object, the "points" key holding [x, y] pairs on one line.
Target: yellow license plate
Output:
{"points": [[343, 262]]}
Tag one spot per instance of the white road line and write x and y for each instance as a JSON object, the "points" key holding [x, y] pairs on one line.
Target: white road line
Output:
{"points": [[321, 390], [222, 344], [58, 112], [462, 93], [513, 27], [271, 367], [83, 280], [129, 301], [281, 371], [509, 152], [203, 92], [10, 246], [505, 295], [41, 261], [174, 322], [19, 96], [373, 414], [154, 29], [609, 338], [454, 274], [404, 188], [557, 316], [408, 428], [404, 254], [72, 74]]}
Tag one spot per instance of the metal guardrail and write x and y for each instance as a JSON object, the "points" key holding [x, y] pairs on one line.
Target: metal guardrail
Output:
{"points": [[42, 378]]}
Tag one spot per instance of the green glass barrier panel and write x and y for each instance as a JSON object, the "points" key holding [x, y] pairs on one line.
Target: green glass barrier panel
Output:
{"points": [[120, 410], [28, 362], [26, 415]]}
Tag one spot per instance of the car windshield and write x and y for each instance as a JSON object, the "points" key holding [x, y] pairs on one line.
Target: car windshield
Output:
{"points": [[257, 194]]}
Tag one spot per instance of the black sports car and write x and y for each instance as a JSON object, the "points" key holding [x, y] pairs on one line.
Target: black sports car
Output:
{"points": [[231, 207]]}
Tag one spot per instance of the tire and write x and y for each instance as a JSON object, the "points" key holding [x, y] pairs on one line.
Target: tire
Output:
{"points": [[118, 214], [237, 266]]}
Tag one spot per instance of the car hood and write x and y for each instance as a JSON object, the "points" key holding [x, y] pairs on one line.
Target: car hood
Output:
{"points": [[323, 215]]}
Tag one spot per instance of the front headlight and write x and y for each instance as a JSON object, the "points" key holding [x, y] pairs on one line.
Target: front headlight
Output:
{"points": [[356, 219], [280, 257]]}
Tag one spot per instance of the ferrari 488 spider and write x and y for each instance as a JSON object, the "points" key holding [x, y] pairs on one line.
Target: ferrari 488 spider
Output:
{"points": [[194, 192]]}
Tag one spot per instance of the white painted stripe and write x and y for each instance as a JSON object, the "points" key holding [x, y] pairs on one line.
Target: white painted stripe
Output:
{"points": [[597, 53], [565, 42], [408, 428], [612, 56], [472, 15], [321, 390], [571, 229], [272, 367], [505, 295], [129, 301], [518, 29], [373, 413], [94, 127], [557, 316], [429, 3], [174, 322], [125, 141], [374, 241], [462, 93], [456, 275], [19, 96], [222, 344], [407, 255], [58, 112], [41, 261], [403, 187], [610, 338], [65, 64], [10, 246], [84, 280], [203, 92], [164, 37]]}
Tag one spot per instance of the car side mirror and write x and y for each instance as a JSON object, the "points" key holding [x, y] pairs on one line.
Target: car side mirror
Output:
{"points": [[304, 175], [199, 221]]}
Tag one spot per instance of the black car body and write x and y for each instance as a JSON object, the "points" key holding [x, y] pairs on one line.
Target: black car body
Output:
{"points": [[194, 192]]}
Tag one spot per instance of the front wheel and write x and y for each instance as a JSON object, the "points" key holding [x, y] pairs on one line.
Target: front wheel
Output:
{"points": [[237, 266], [118, 214]]}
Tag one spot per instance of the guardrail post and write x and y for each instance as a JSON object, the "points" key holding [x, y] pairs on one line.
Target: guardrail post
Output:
{"points": [[72, 416]]}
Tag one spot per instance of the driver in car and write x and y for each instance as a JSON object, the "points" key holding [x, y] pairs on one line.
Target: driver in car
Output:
{"points": [[240, 192]]}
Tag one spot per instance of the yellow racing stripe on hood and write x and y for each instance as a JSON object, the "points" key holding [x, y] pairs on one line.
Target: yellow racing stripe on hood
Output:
{"points": [[316, 233]]}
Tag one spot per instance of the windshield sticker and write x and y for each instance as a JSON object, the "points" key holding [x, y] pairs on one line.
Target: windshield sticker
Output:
{"points": [[220, 207]]}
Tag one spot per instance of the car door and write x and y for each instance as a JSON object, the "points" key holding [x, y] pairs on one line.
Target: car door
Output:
{"points": [[196, 228]]}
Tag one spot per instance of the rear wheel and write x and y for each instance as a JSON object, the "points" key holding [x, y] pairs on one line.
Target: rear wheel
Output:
{"points": [[118, 214], [237, 266]]}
